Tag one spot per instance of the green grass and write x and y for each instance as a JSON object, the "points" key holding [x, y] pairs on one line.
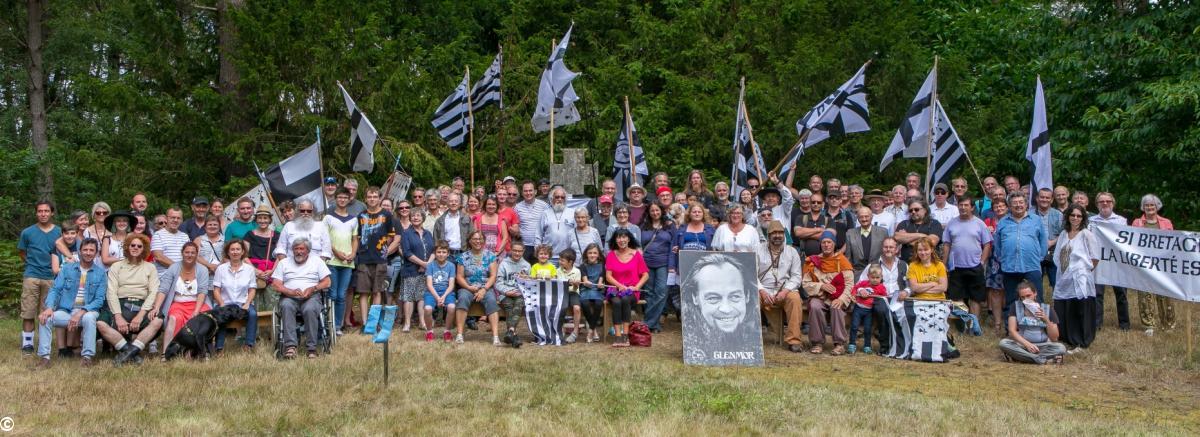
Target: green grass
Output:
{"points": [[1127, 384]]}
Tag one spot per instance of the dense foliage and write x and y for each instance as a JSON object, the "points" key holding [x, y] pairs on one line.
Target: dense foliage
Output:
{"points": [[137, 100]]}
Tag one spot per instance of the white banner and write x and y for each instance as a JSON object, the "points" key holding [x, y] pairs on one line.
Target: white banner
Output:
{"points": [[256, 194], [1166, 263]]}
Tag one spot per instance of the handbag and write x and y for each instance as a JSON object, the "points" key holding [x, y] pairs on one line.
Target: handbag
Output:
{"points": [[639, 334]]}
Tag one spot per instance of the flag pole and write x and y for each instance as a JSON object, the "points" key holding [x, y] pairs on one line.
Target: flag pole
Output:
{"points": [[750, 133], [629, 144], [267, 189], [804, 137], [470, 125], [500, 147], [736, 136], [929, 135], [321, 164], [553, 45]]}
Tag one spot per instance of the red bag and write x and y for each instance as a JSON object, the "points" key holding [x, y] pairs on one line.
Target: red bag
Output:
{"points": [[639, 334]]}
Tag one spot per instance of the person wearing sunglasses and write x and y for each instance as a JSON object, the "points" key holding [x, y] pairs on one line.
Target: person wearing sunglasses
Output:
{"points": [[304, 226], [942, 209], [919, 226], [807, 228]]}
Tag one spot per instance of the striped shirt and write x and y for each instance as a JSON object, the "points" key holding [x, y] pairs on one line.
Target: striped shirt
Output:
{"points": [[530, 214], [171, 245]]}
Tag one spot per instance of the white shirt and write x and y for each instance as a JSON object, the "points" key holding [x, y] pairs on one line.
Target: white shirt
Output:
{"points": [[885, 220], [899, 212], [745, 241], [783, 211], [558, 230], [1114, 218], [300, 276], [943, 214], [318, 236], [891, 278], [235, 286], [452, 230], [171, 244], [1078, 279]]}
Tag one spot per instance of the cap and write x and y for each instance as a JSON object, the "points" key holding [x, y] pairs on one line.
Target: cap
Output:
{"points": [[828, 235], [199, 200], [330, 180], [833, 193], [605, 199], [509, 179], [658, 191], [774, 227], [940, 186], [262, 210], [543, 181]]}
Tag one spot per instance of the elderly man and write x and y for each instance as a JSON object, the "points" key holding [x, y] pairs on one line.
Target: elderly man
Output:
{"points": [[855, 197], [454, 227], [530, 210], [74, 301], [243, 222], [879, 217], [967, 248], [1052, 220], [304, 226], [607, 188], [1020, 242], [1012, 184], [600, 220], [942, 210], [778, 198], [828, 280], [897, 205], [635, 199], [958, 189], [780, 273], [167, 244], [356, 206], [912, 181], [297, 279], [918, 226], [984, 204], [557, 224], [1105, 202], [864, 243]]}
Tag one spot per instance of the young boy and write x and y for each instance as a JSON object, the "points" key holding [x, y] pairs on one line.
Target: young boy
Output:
{"points": [[439, 289], [568, 272], [511, 300], [543, 269], [70, 238], [865, 293]]}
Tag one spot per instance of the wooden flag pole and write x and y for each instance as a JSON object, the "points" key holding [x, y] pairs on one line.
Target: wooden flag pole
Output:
{"points": [[1188, 320], [929, 137], [799, 142], [470, 125], [750, 133], [321, 164], [553, 44], [503, 120], [629, 144], [737, 137]]}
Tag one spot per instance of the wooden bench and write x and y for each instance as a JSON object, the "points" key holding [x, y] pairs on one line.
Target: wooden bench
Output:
{"points": [[264, 322], [608, 318]]}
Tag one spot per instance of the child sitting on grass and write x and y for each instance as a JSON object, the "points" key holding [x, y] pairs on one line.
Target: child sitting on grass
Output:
{"points": [[568, 272], [439, 289], [865, 293], [511, 300]]}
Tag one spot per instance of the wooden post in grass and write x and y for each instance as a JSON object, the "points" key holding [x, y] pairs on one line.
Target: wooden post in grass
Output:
{"points": [[1188, 319], [385, 362]]}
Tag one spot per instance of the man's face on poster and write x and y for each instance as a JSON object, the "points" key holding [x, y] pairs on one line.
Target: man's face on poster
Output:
{"points": [[722, 297]]}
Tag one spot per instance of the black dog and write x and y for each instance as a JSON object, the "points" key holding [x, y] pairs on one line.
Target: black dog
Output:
{"points": [[198, 333]]}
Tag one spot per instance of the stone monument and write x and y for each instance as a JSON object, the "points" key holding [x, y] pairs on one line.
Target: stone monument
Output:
{"points": [[574, 174]]}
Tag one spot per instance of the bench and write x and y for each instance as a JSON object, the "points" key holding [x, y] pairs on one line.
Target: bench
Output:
{"points": [[264, 322], [608, 318]]}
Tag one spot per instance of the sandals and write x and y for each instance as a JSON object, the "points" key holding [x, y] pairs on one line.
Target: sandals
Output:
{"points": [[312, 354], [838, 350], [289, 353], [816, 349]]}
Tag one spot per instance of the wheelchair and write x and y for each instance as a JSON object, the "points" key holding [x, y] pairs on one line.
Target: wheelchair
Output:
{"points": [[326, 332]]}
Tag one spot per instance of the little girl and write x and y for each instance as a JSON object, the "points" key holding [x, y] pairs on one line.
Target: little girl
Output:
{"points": [[439, 289], [590, 294], [865, 293], [568, 272]]}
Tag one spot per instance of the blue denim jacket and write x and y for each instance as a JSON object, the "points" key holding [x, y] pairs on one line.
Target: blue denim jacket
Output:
{"points": [[1021, 245], [66, 284], [1052, 220]]}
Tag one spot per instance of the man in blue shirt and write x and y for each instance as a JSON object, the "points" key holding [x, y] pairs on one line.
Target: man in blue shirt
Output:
{"points": [[35, 247], [1020, 243], [1052, 219], [74, 301]]}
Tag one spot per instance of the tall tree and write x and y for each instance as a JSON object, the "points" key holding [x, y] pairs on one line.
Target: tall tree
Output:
{"points": [[34, 38]]}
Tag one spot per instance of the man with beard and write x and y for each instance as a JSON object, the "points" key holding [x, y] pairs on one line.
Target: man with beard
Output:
{"points": [[303, 226], [828, 278], [1052, 220], [557, 225], [297, 279], [919, 226], [530, 210], [139, 204], [243, 222], [780, 272], [840, 219], [1020, 242], [168, 242]]}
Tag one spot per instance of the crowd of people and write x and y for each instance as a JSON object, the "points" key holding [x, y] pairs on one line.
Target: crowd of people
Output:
{"points": [[833, 258]]}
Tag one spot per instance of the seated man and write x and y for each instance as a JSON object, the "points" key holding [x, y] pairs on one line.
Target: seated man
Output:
{"points": [[1032, 330], [297, 279], [74, 301], [827, 280], [779, 278]]}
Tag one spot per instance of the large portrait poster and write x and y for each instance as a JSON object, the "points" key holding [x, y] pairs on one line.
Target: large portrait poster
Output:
{"points": [[719, 295]]}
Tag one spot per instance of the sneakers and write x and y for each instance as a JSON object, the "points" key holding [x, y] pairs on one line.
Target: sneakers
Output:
{"points": [[867, 350], [153, 349], [27, 350], [591, 333], [472, 325], [571, 338], [496, 341], [458, 339], [340, 333], [446, 336], [1150, 332], [851, 349], [428, 336]]}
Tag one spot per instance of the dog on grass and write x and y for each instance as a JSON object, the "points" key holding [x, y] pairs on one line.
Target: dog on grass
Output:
{"points": [[198, 333]]}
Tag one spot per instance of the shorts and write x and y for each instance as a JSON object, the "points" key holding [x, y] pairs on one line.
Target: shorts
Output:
{"points": [[33, 296], [431, 302], [129, 310], [371, 278], [573, 299], [967, 284], [411, 288], [467, 298]]}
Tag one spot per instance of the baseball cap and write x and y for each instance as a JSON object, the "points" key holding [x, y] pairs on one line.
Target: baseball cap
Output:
{"points": [[660, 190], [199, 200], [508, 179], [940, 186], [330, 180], [606, 199]]}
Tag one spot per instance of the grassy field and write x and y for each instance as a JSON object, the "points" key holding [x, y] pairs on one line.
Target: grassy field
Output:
{"points": [[1126, 384]]}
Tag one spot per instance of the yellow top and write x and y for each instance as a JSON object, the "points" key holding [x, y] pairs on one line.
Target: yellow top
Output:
{"points": [[920, 274], [543, 271]]}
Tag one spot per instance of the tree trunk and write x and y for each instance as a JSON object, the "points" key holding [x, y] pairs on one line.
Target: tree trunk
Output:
{"points": [[37, 99], [227, 76]]}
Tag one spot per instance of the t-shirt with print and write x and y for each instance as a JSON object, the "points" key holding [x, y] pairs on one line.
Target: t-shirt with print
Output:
{"points": [[375, 232], [476, 268], [442, 274]]}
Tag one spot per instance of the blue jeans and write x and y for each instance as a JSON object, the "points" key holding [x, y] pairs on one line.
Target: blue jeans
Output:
{"points": [[655, 294], [1012, 280], [339, 278], [861, 317], [251, 329], [1050, 272], [87, 325]]}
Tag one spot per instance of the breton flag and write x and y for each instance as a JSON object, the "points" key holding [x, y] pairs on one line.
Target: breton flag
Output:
{"points": [[747, 156], [949, 152], [555, 93], [919, 331], [621, 160], [362, 136], [298, 176], [451, 118], [545, 301], [487, 89], [912, 139], [1038, 150], [843, 112]]}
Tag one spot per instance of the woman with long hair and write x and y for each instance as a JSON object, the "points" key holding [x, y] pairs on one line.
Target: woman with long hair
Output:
{"points": [[658, 233], [494, 227], [626, 273], [1076, 256], [926, 273], [182, 293]]}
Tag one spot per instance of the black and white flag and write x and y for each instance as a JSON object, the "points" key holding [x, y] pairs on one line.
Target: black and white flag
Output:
{"points": [[747, 157], [919, 331], [1038, 150], [298, 176], [555, 92], [451, 119], [545, 301], [487, 89], [912, 139], [362, 136], [843, 112], [949, 152], [621, 160]]}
